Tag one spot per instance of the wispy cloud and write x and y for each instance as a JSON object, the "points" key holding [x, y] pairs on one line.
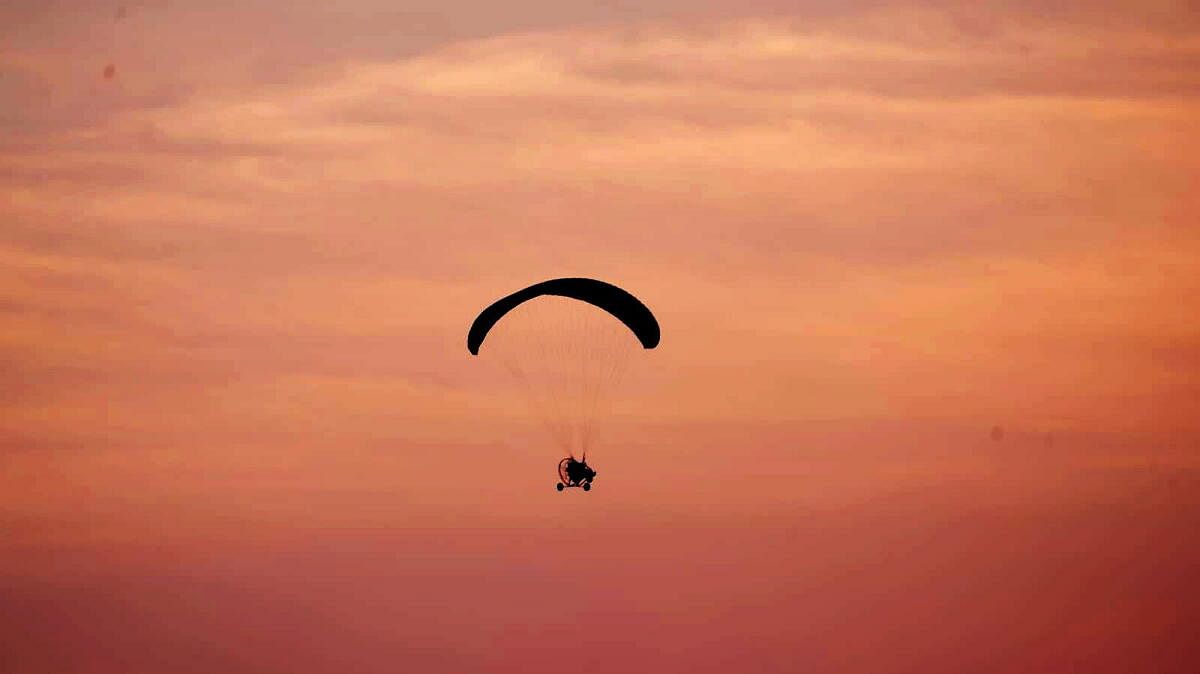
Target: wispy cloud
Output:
{"points": [[235, 280]]}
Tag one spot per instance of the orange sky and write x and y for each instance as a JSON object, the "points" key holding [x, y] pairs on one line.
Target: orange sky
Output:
{"points": [[236, 278]]}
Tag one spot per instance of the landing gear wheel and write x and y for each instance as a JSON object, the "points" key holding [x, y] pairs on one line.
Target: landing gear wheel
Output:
{"points": [[559, 486], [587, 486]]}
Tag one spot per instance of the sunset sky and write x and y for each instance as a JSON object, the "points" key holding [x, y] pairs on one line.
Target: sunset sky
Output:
{"points": [[240, 430]]}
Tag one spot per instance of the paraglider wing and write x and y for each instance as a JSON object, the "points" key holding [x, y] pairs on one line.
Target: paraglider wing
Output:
{"points": [[622, 305]]}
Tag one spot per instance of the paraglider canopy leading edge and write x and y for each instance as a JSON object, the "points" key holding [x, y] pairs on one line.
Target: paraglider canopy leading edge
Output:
{"points": [[620, 303]]}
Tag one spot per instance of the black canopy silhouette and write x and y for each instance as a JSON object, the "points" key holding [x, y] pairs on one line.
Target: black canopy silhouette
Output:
{"points": [[622, 305]]}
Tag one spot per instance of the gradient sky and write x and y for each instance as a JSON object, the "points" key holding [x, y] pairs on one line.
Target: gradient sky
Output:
{"points": [[236, 277]]}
